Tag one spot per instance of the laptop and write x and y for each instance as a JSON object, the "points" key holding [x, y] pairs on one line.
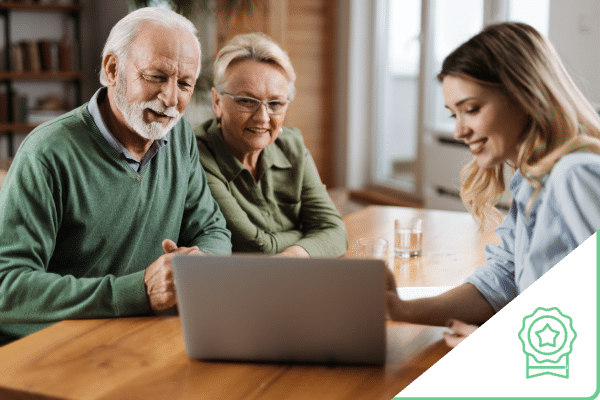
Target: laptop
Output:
{"points": [[267, 309]]}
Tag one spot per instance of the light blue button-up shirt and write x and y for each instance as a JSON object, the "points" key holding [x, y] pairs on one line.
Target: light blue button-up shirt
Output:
{"points": [[564, 215], [136, 165]]}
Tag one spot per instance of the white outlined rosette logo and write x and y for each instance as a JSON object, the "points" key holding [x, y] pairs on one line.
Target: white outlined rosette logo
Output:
{"points": [[547, 336]]}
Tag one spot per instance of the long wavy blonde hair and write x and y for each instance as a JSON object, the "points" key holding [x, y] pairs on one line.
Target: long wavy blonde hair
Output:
{"points": [[524, 64]]}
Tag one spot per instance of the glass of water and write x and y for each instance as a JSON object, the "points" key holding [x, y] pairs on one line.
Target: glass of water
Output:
{"points": [[372, 248], [408, 237]]}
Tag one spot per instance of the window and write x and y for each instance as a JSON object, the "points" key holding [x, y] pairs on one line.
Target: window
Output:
{"points": [[397, 145], [403, 45], [451, 27], [534, 12], [409, 51]]}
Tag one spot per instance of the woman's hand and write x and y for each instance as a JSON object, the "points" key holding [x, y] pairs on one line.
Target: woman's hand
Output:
{"points": [[393, 304], [461, 331], [293, 251]]}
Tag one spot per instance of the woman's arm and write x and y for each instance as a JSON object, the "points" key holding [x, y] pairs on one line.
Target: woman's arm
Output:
{"points": [[294, 251], [464, 303], [567, 213], [245, 234], [325, 234]]}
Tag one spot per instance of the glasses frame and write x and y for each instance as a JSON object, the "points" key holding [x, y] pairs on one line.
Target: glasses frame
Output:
{"points": [[259, 102]]}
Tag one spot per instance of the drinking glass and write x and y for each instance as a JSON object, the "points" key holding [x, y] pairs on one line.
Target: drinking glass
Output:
{"points": [[372, 248], [408, 237]]}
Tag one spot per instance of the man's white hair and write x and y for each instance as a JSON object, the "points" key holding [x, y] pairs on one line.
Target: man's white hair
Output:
{"points": [[124, 32]]}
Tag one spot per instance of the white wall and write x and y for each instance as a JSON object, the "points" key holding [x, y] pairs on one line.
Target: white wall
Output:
{"points": [[575, 32]]}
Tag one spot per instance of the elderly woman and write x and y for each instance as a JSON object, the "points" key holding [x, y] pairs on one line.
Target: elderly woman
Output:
{"points": [[261, 174]]}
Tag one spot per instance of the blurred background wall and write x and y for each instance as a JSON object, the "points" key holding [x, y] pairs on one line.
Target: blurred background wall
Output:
{"points": [[370, 121]]}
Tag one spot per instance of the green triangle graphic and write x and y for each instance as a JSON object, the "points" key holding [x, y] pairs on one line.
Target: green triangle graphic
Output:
{"points": [[490, 363]]}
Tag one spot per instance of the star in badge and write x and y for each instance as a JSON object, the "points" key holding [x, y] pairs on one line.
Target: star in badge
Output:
{"points": [[547, 336]]}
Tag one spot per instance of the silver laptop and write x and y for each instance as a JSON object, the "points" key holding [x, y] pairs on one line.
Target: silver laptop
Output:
{"points": [[259, 308]]}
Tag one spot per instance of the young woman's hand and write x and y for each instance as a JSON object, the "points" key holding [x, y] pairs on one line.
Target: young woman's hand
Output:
{"points": [[461, 331], [393, 304]]}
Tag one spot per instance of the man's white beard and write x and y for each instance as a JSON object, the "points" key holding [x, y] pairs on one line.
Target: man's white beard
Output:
{"points": [[134, 113]]}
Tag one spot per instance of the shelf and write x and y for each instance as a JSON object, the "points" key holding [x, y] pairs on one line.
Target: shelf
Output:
{"points": [[72, 78], [16, 127], [40, 76], [40, 7]]}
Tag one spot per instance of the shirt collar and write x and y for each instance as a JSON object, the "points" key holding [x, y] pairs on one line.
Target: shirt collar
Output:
{"points": [[94, 110], [273, 156], [231, 167]]}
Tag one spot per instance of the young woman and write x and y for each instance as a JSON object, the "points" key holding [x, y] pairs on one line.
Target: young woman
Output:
{"points": [[515, 105]]}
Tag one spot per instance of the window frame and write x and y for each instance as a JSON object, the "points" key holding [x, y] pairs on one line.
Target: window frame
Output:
{"points": [[493, 11]]}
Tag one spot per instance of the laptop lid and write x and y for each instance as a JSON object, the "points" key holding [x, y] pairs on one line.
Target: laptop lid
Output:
{"points": [[259, 308]]}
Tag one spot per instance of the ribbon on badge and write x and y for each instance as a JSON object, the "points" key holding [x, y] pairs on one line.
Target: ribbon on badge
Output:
{"points": [[547, 336]]}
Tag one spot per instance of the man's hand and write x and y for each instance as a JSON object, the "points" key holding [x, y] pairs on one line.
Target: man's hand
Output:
{"points": [[461, 331], [158, 277]]}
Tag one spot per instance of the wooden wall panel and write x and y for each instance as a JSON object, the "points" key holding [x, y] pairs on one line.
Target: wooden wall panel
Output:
{"points": [[305, 29]]}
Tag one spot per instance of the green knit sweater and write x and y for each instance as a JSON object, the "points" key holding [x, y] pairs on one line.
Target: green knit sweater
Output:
{"points": [[78, 226]]}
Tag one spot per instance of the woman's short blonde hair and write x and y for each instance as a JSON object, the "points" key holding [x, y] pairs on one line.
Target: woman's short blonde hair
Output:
{"points": [[526, 67], [257, 47]]}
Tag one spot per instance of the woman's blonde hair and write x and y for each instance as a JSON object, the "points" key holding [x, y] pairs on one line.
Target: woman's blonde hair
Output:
{"points": [[257, 47], [526, 67]]}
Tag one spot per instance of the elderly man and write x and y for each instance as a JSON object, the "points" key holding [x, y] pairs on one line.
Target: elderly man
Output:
{"points": [[97, 201]]}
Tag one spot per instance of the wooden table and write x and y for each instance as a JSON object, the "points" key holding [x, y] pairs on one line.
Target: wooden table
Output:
{"points": [[143, 358]]}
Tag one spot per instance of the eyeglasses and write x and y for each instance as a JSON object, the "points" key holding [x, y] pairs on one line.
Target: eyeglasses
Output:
{"points": [[250, 104]]}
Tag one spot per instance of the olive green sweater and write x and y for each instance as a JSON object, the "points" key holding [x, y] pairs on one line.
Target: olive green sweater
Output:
{"points": [[78, 226], [287, 206]]}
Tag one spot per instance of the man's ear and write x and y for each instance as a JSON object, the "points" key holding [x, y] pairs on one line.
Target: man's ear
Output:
{"points": [[111, 68], [216, 102]]}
